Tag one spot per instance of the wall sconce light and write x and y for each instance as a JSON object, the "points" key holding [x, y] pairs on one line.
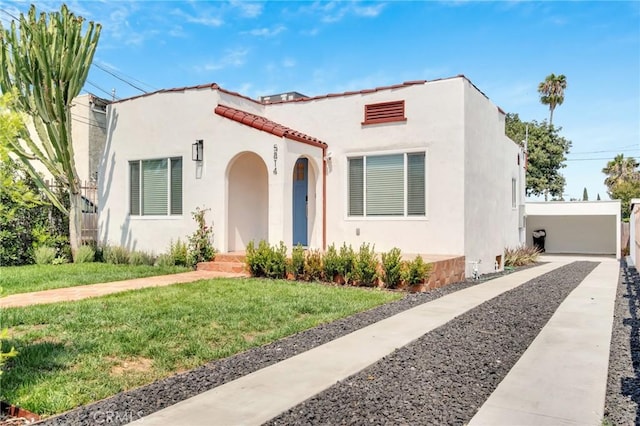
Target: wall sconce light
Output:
{"points": [[196, 150], [275, 159]]}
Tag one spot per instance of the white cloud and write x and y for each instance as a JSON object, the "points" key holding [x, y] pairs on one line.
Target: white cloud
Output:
{"points": [[205, 17], [248, 9], [335, 11], [369, 11], [233, 58], [289, 62], [267, 32]]}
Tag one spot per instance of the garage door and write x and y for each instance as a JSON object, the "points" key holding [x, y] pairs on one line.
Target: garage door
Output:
{"points": [[593, 234]]}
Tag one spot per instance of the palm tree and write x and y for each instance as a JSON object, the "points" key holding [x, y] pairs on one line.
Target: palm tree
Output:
{"points": [[552, 92], [620, 170], [45, 61]]}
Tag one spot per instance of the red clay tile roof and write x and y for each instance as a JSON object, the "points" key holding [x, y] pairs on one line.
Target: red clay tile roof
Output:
{"points": [[266, 125]]}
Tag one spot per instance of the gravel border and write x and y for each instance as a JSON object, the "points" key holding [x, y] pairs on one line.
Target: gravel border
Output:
{"points": [[622, 406], [446, 375], [136, 403]]}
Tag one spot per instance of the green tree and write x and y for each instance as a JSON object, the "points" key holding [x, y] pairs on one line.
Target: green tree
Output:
{"points": [[585, 195], [45, 59], [551, 92], [620, 169], [623, 181], [19, 196], [547, 152], [625, 191]]}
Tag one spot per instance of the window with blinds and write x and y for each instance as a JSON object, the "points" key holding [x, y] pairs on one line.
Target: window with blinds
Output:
{"points": [[387, 185], [155, 187]]}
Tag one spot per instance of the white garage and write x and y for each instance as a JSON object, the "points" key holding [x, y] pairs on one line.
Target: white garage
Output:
{"points": [[576, 227]]}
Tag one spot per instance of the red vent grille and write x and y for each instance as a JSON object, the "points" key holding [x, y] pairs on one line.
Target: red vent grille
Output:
{"points": [[385, 112]]}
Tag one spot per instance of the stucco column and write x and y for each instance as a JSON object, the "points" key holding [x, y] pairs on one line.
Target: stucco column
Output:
{"points": [[278, 179]]}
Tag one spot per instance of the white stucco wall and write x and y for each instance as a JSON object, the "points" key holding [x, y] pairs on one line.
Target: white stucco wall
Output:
{"points": [[80, 127], [634, 232], [434, 125], [583, 227], [491, 162]]}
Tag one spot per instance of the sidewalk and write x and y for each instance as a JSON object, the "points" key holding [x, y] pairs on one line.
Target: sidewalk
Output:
{"points": [[264, 394], [94, 290]]}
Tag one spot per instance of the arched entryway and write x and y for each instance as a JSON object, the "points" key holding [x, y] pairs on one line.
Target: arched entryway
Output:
{"points": [[248, 201]]}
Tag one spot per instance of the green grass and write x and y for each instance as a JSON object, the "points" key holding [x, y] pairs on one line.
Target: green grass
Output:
{"points": [[73, 353], [24, 279]]}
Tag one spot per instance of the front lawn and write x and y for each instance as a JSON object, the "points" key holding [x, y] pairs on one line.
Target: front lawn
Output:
{"points": [[25, 279], [74, 353]]}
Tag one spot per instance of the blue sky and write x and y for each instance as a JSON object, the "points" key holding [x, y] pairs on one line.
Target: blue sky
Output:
{"points": [[505, 48]]}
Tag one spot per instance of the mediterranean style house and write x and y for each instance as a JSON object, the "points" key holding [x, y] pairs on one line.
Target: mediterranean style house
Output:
{"points": [[423, 165]]}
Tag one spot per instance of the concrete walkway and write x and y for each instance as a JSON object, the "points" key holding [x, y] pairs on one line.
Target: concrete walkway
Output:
{"points": [[264, 394], [94, 290], [562, 377]]}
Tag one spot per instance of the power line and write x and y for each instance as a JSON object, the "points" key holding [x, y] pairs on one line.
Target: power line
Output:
{"points": [[103, 90], [607, 151], [123, 75], [118, 77], [9, 13], [79, 117], [593, 159]]}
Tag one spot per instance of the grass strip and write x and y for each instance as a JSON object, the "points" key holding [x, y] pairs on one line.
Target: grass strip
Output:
{"points": [[25, 279]]}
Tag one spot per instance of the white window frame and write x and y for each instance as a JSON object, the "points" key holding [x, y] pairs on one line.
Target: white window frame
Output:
{"points": [[404, 217], [141, 216], [514, 193]]}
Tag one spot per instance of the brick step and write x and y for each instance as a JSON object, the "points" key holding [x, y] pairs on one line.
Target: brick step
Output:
{"points": [[225, 266], [230, 257]]}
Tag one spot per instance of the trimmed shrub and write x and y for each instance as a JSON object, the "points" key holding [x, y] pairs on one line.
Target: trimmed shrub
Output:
{"points": [[365, 265], [392, 267], [313, 265], [180, 253], [296, 265], [520, 256], [347, 261], [276, 266], [331, 263], [85, 254], [416, 271], [116, 255], [266, 261], [44, 255]]}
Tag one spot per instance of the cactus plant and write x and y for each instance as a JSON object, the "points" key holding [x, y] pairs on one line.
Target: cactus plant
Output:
{"points": [[45, 61]]}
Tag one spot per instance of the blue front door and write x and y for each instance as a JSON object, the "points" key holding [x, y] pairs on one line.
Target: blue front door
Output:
{"points": [[300, 200]]}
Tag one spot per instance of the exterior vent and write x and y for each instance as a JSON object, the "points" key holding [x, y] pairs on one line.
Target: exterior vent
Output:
{"points": [[385, 112]]}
